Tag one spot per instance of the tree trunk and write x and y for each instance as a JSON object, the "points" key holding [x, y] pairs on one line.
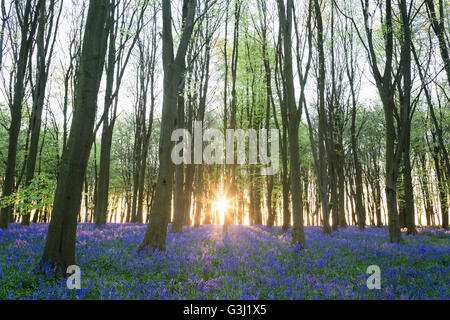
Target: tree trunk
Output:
{"points": [[155, 235], [101, 203], [179, 199], [59, 249], [392, 167], [405, 113], [285, 15], [323, 183], [38, 101]]}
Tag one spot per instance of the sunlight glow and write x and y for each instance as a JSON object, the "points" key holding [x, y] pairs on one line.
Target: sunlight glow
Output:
{"points": [[222, 207]]}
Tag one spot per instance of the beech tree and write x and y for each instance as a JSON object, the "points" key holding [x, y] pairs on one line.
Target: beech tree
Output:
{"points": [[125, 23], [294, 112], [59, 251], [174, 67], [45, 42]]}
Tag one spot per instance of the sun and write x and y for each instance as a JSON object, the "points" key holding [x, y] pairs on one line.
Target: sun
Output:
{"points": [[222, 207]]}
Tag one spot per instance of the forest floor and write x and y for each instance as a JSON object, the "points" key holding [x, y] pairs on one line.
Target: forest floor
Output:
{"points": [[251, 262]]}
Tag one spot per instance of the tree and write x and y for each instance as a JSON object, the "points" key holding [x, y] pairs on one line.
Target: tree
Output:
{"points": [[406, 113], [322, 173], [230, 170], [437, 135], [262, 11], [173, 65], [59, 251], [45, 42], [121, 19], [285, 16], [386, 85], [351, 72], [198, 62], [28, 23]]}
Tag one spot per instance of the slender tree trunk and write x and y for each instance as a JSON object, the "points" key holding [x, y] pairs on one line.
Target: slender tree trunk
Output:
{"points": [[38, 101], [179, 200], [442, 188], [392, 167], [323, 183], [405, 100], [231, 184], [198, 196], [155, 235], [285, 15], [285, 182], [360, 210], [425, 189], [386, 89], [101, 200]]}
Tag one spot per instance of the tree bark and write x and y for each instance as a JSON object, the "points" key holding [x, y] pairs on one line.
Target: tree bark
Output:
{"points": [[59, 251], [155, 235], [323, 183], [285, 16], [44, 44]]}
